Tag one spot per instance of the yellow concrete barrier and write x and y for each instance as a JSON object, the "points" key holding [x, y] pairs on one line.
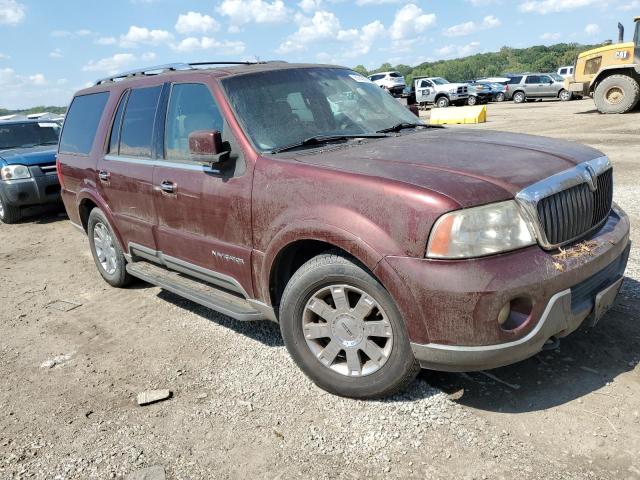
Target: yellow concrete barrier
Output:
{"points": [[458, 115]]}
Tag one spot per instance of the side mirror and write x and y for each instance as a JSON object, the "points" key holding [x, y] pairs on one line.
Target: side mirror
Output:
{"points": [[206, 146]]}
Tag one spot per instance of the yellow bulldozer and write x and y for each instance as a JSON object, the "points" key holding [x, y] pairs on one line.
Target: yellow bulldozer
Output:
{"points": [[610, 74]]}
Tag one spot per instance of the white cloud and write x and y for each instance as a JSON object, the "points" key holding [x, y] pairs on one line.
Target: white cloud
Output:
{"points": [[106, 40], [375, 2], [241, 12], [56, 53], [458, 51], [11, 12], [194, 22], [111, 65], [4, 56], [38, 80], [628, 6], [468, 28], [553, 6], [592, 29], [310, 5], [551, 36], [83, 32], [141, 35], [192, 44], [23, 91], [410, 21]]}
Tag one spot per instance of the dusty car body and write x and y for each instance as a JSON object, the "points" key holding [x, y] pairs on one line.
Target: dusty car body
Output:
{"points": [[405, 244]]}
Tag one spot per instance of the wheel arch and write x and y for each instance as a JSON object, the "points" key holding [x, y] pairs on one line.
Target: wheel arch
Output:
{"points": [[628, 70], [86, 201]]}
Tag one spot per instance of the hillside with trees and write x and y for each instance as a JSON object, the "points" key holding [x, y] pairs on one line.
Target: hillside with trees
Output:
{"points": [[507, 60], [38, 109]]}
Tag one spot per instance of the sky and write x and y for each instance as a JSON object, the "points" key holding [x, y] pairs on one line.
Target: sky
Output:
{"points": [[50, 49]]}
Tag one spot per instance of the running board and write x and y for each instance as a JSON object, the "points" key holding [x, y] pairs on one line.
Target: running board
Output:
{"points": [[196, 291]]}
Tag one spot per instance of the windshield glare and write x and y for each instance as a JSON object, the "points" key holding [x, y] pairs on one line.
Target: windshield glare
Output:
{"points": [[556, 77], [26, 135], [440, 81], [282, 107]]}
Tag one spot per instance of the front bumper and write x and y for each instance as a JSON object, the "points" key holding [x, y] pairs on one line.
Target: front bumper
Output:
{"points": [[43, 187], [457, 302]]}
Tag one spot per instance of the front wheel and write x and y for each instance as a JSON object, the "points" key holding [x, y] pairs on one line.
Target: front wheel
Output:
{"points": [[617, 94], [344, 331], [442, 102], [499, 97], [9, 213], [565, 95], [472, 101]]}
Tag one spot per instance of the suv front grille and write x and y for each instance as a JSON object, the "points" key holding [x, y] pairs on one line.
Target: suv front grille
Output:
{"points": [[571, 213]]}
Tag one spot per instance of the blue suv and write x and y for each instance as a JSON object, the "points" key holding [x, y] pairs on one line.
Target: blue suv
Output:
{"points": [[28, 174]]}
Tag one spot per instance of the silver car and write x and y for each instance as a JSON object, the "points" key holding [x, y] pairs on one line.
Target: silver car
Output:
{"points": [[536, 86]]}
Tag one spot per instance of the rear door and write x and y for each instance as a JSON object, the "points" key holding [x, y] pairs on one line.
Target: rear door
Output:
{"points": [[204, 215], [532, 86], [126, 172]]}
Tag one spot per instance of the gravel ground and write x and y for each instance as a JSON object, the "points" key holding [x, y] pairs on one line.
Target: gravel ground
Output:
{"points": [[75, 354]]}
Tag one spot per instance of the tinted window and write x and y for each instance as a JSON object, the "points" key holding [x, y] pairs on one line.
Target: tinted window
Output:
{"points": [[81, 123], [376, 77], [137, 124], [545, 79], [117, 124], [191, 108], [515, 80], [532, 79], [27, 135], [395, 75]]}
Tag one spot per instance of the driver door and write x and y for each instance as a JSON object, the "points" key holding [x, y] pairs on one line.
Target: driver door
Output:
{"points": [[425, 92]]}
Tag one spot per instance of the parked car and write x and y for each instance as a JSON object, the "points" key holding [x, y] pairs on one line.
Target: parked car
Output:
{"points": [[27, 166], [566, 72], [533, 86], [308, 196], [393, 82], [479, 93], [439, 91]]}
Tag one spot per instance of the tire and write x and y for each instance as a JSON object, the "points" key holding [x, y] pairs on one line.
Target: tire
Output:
{"points": [[442, 102], [499, 97], [322, 279], [617, 94], [9, 213], [472, 101], [107, 254], [519, 97], [565, 95]]}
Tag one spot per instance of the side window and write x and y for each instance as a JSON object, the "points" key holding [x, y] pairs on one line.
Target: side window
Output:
{"points": [[81, 123], [545, 79], [515, 80], [563, 71], [137, 124], [532, 79], [191, 108], [117, 124]]}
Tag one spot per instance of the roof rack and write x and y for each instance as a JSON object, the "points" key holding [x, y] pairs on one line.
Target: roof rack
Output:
{"points": [[158, 69]]}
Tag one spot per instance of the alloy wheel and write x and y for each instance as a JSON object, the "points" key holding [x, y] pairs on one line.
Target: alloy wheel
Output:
{"points": [[347, 330], [105, 248]]}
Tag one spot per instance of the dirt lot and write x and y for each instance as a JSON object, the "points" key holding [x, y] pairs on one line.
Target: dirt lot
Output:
{"points": [[70, 372]]}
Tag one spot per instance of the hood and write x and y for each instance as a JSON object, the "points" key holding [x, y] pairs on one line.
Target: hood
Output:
{"points": [[469, 166], [40, 155]]}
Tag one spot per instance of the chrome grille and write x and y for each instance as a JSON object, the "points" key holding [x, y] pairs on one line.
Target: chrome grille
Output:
{"points": [[571, 213], [569, 205]]}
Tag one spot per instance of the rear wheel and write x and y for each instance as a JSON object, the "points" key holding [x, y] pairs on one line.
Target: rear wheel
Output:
{"points": [[343, 330], [9, 213], [519, 97], [106, 251], [442, 102], [617, 94], [499, 97]]}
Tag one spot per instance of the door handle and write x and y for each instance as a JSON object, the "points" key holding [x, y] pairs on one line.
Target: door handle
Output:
{"points": [[104, 176], [167, 187]]}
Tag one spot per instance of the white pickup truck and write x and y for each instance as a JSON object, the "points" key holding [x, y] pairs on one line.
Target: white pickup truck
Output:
{"points": [[439, 92]]}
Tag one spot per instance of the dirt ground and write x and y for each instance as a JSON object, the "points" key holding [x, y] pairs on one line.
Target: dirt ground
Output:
{"points": [[74, 353]]}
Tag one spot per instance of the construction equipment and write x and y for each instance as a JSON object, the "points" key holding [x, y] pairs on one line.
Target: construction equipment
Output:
{"points": [[610, 74]]}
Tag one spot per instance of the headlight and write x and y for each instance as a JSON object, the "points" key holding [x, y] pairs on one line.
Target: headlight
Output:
{"points": [[453, 90], [479, 231], [14, 172]]}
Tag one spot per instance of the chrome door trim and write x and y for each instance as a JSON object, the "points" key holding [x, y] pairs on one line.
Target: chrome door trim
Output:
{"points": [[161, 163], [529, 197], [196, 271]]}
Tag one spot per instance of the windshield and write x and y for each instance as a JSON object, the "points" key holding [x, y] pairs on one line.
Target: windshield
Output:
{"points": [[556, 77], [440, 81], [26, 135], [282, 107]]}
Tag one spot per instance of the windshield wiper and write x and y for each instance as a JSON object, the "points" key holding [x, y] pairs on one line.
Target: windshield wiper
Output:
{"points": [[320, 139], [402, 126]]}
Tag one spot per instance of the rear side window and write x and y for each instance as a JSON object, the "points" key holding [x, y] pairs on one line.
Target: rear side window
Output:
{"points": [[515, 80], [394, 75], [81, 123], [137, 124]]}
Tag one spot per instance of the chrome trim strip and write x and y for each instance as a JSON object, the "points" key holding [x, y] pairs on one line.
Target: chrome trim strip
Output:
{"points": [[529, 197], [79, 227], [161, 163], [216, 278]]}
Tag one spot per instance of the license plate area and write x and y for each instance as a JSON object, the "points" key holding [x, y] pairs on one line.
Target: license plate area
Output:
{"points": [[605, 300]]}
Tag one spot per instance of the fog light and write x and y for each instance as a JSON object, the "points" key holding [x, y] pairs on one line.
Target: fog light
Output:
{"points": [[503, 316]]}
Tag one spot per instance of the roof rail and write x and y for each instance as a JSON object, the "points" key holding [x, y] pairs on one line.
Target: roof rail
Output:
{"points": [[155, 70]]}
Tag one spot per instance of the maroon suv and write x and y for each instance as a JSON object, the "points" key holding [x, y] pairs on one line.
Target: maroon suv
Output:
{"points": [[306, 195]]}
